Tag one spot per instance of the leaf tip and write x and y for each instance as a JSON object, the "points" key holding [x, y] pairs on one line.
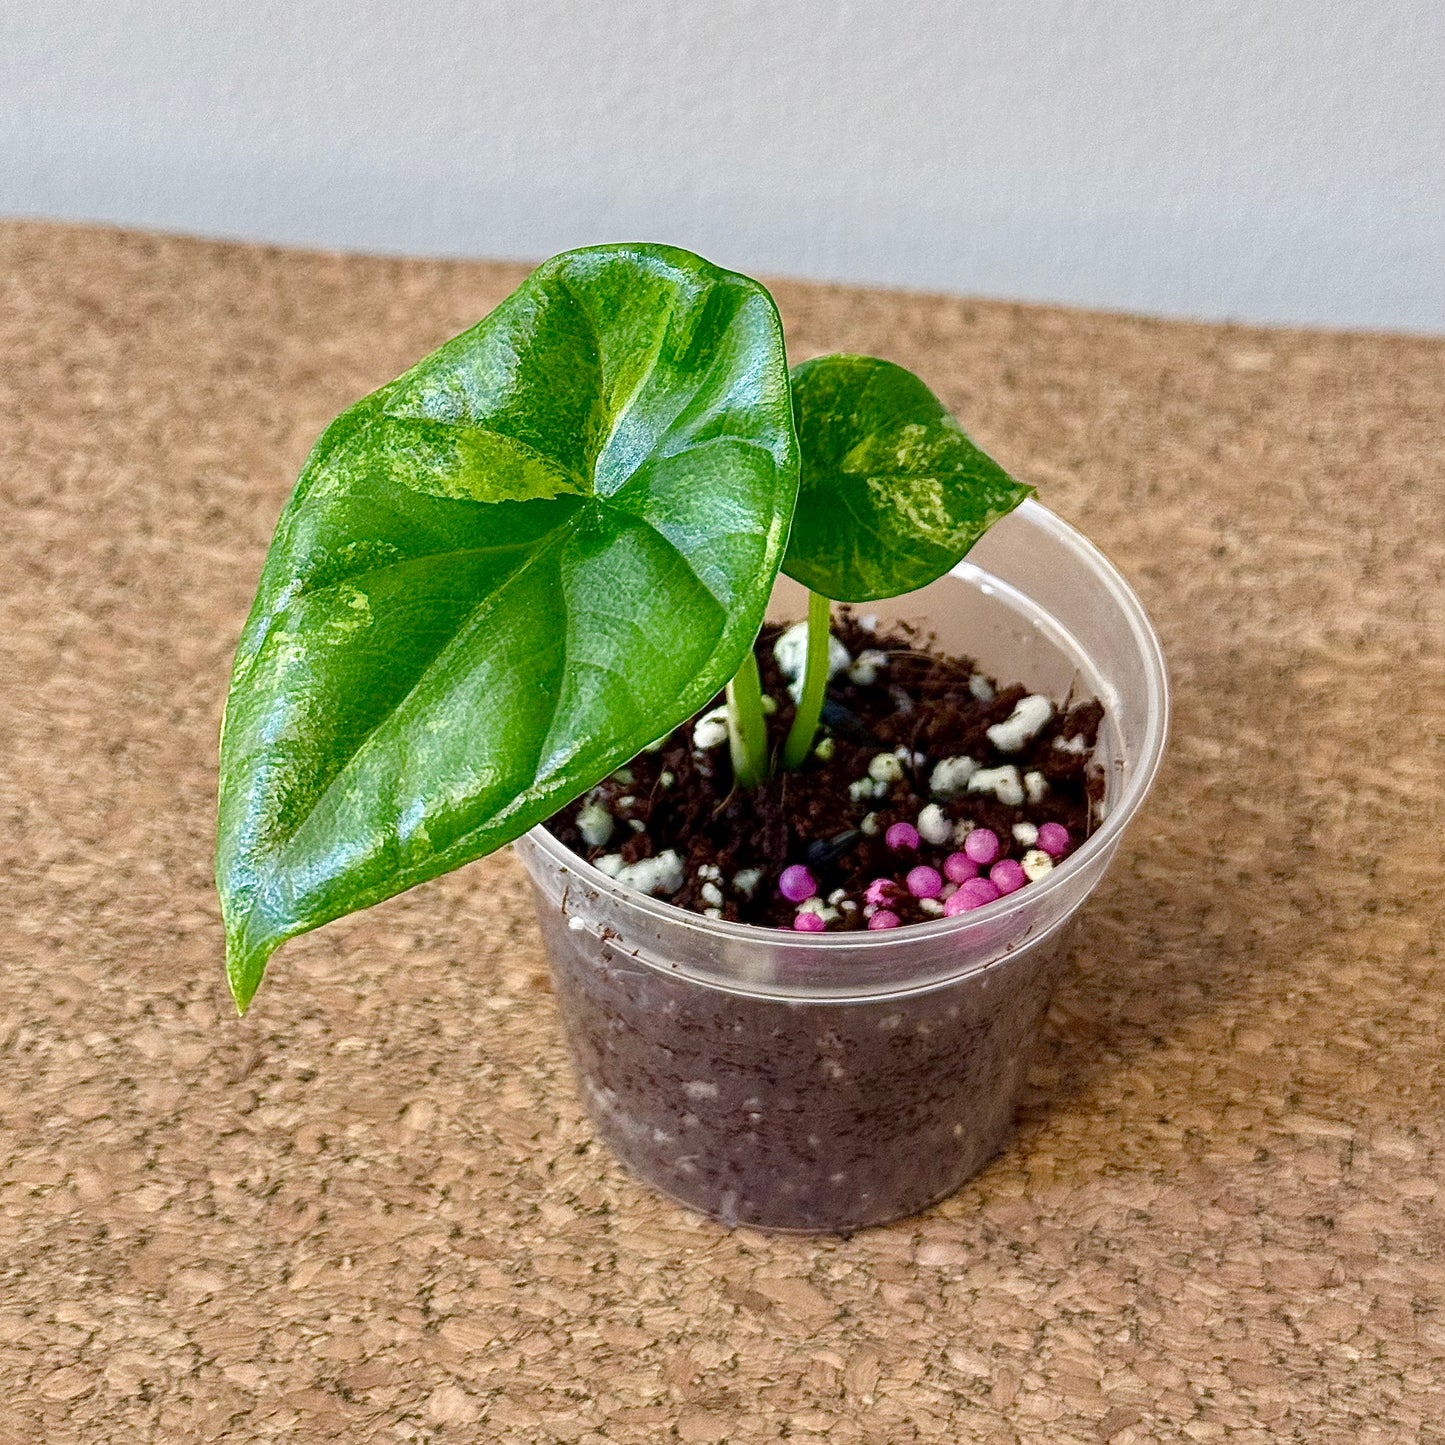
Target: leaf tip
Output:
{"points": [[245, 967]]}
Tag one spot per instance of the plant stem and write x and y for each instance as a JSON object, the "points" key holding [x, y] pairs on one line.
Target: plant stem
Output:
{"points": [[747, 733], [815, 684]]}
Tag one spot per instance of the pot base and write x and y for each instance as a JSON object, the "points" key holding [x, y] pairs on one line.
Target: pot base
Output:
{"points": [[798, 1116]]}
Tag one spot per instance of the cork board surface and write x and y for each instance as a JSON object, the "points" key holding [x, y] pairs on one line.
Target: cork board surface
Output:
{"points": [[372, 1209]]}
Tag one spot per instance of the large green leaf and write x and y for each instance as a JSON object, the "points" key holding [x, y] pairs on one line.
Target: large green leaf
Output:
{"points": [[497, 579], [893, 493]]}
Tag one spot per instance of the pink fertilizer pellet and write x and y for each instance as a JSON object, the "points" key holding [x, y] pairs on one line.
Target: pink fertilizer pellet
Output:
{"points": [[960, 867], [1007, 876], [880, 891], [797, 884], [924, 882], [973, 894]]}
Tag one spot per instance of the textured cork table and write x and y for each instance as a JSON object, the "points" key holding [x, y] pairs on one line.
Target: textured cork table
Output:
{"points": [[372, 1210]]}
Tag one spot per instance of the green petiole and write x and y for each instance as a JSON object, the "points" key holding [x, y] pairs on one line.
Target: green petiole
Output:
{"points": [[747, 734], [815, 684]]}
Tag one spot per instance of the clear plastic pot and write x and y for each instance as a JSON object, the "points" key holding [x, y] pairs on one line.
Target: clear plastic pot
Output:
{"points": [[822, 1083]]}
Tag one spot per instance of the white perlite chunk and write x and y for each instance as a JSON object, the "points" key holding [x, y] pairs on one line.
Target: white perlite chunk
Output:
{"points": [[1026, 834], [836, 897], [1035, 785], [866, 666], [1075, 744], [624, 776], [769, 704], [666, 778], [869, 825], [885, 768], [1036, 863], [594, 823], [933, 826], [933, 906], [711, 729], [816, 905], [711, 893], [981, 687], [576, 924], [746, 881], [961, 830], [868, 622], [824, 751], [663, 874], [710, 871], [951, 777], [791, 652], [1004, 783], [863, 788], [1029, 715]]}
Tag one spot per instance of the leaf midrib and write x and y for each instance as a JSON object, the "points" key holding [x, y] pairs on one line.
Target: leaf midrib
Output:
{"points": [[620, 411], [351, 579]]}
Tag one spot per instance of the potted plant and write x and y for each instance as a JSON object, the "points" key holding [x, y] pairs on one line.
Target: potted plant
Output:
{"points": [[545, 550]]}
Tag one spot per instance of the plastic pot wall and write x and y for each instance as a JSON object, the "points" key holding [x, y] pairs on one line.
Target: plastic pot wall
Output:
{"points": [[823, 1083]]}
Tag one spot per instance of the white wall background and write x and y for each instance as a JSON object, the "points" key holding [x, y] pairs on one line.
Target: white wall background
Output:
{"points": [[1277, 160]]}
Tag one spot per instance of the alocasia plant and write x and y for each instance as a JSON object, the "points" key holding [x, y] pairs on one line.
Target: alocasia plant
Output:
{"points": [[893, 493], [892, 496], [539, 550], [497, 579]]}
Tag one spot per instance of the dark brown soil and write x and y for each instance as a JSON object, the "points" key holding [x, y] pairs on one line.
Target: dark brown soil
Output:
{"points": [[799, 1114], [921, 701]]}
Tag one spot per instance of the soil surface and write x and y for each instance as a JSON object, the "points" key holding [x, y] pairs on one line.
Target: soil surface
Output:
{"points": [[914, 705]]}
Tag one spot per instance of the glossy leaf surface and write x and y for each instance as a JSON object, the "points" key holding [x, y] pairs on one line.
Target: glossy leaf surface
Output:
{"points": [[498, 578], [893, 493]]}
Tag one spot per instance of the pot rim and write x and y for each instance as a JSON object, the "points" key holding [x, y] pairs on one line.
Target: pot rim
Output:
{"points": [[978, 921]]}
